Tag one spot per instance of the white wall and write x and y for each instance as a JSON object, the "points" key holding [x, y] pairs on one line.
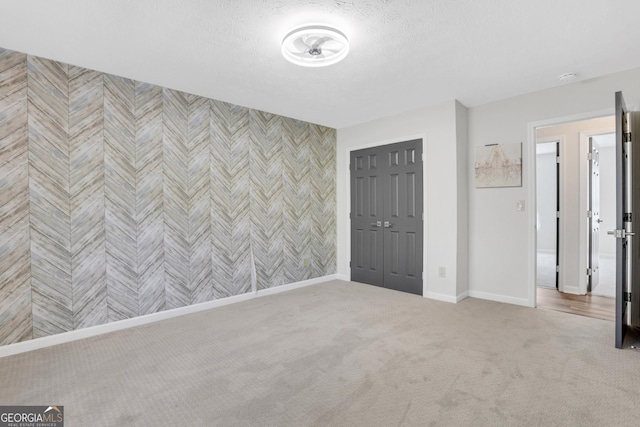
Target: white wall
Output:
{"points": [[462, 160], [501, 239], [445, 182], [546, 201], [607, 199]]}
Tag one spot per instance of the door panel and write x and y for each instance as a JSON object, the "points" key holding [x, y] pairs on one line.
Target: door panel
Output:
{"points": [[623, 215], [366, 218], [405, 194], [359, 243], [389, 208], [411, 255]]}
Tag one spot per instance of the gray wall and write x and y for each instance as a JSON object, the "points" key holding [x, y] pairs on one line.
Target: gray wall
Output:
{"points": [[120, 198]]}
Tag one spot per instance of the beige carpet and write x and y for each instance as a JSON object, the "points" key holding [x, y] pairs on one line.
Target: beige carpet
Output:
{"points": [[342, 354]]}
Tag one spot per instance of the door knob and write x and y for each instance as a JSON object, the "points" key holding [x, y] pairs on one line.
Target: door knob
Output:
{"points": [[387, 224], [599, 220], [376, 224]]}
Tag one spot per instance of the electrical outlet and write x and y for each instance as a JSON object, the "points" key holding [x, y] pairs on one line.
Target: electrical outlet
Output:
{"points": [[305, 262], [442, 272]]}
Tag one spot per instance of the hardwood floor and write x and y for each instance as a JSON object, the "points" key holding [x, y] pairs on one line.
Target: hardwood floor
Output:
{"points": [[583, 305]]}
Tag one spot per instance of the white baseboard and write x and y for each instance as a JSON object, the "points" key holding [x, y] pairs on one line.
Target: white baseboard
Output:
{"points": [[499, 298], [441, 297], [38, 343], [296, 285], [344, 277]]}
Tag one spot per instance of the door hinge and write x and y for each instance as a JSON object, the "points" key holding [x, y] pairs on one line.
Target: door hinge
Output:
{"points": [[627, 217], [589, 156], [589, 214], [557, 269], [589, 272], [627, 137], [557, 214], [349, 264], [558, 159], [627, 296]]}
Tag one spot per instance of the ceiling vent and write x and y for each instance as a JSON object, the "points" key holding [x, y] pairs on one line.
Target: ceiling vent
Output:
{"points": [[315, 46]]}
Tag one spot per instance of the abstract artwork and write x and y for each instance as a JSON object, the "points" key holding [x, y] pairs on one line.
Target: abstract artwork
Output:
{"points": [[498, 165]]}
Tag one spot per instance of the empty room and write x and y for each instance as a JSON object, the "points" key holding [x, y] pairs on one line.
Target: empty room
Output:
{"points": [[327, 212]]}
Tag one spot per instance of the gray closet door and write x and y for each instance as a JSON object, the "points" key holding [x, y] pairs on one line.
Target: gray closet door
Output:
{"points": [[386, 216], [367, 216], [623, 216]]}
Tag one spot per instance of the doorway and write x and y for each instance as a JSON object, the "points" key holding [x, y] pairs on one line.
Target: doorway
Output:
{"points": [[575, 199], [547, 218], [387, 216]]}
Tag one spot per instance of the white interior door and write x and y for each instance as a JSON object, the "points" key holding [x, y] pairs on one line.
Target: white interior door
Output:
{"points": [[594, 214], [547, 205]]}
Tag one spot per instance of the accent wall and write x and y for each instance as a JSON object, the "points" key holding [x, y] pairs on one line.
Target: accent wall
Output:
{"points": [[120, 198]]}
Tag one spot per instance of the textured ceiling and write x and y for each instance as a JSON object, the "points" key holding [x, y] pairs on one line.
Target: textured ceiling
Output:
{"points": [[405, 54]]}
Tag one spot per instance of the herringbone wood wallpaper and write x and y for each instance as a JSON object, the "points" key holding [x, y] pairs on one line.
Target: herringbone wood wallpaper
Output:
{"points": [[120, 198]]}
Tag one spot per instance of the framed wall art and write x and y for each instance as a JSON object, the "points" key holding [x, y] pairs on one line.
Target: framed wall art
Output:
{"points": [[498, 165]]}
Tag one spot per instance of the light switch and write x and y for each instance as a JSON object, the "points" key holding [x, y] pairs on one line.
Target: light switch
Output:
{"points": [[520, 205]]}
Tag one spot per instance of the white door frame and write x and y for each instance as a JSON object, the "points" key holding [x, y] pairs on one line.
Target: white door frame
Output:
{"points": [[530, 182]]}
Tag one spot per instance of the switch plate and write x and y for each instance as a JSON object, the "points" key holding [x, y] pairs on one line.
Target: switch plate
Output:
{"points": [[520, 205], [442, 272]]}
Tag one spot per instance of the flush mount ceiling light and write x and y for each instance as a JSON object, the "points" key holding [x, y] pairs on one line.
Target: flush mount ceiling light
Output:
{"points": [[315, 46]]}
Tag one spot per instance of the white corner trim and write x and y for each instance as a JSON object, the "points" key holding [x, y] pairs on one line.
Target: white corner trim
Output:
{"points": [[344, 277], [38, 343], [462, 296], [500, 298], [441, 297]]}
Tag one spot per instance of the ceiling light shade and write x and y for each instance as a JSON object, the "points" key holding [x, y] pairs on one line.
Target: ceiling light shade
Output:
{"points": [[315, 46]]}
